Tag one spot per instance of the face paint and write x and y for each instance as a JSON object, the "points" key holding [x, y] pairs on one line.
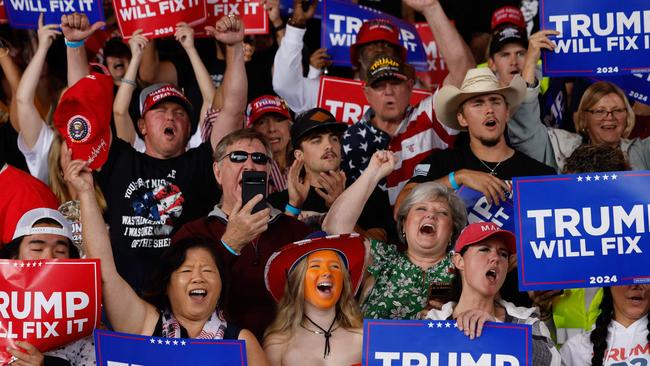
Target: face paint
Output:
{"points": [[323, 279]]}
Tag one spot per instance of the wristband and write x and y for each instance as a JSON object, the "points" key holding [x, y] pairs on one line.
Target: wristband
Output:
{"points": [[452, 181], [229, 248], [130, 82], [74, 44], [292, 210]]}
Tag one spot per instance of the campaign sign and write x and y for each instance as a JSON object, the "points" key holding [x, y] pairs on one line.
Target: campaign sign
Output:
{"points": [[286, 8], [344, 98], [251, 12], [3, 14], [440, 343], [48, 303], [113, 349], [24, 13], [597, 37], [635, 86], [582, 230], [436, 71], [479, 210], [343, 21], [157, 18]]}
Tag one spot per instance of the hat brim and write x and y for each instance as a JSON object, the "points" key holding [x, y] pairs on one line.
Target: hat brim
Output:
{"points": [[507, 236], [172, 98], [388, 75], [280, 264], [338, 127], [450, 98]]}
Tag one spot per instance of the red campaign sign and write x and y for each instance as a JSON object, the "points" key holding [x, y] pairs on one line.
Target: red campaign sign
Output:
{"points": [[48, 303], [251, 12], [157, 18], [436, 68], [344, 98], [3, 14]]}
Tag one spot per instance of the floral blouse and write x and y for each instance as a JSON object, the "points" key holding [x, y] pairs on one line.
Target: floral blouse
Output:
{"points": [[401, 288]]}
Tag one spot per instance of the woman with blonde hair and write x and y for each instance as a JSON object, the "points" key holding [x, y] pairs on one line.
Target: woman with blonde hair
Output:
{"points": [[318, 320], [604, 116]]}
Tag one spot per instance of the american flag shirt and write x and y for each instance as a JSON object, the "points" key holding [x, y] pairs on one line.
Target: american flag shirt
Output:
{"points": [[418, 134]]}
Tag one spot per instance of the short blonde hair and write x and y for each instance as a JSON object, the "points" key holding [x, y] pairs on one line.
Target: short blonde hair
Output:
{"points": [[593, 95]]}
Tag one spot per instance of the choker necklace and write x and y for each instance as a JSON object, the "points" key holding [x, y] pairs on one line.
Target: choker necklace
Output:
{"points": [[492, 170], [326, 333]]}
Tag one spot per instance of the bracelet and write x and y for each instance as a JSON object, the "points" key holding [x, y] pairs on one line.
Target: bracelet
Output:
{"points": [[74, 44], [279, 28], [452, 181], [229, 248], [292, 210], [130, 82]]}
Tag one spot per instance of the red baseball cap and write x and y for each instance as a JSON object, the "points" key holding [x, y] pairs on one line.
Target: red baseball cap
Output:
{"points": [[479, 231], [350, 247], [508, 15], [373, 30], [263, 105], [158, 93], [83, 118]]}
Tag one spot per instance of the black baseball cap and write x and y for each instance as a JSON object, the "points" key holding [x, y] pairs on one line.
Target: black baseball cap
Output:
{"points": [[313, 120]]}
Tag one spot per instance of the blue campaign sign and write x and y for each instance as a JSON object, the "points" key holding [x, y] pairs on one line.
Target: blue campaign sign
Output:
{"points": [[582, 230], [479, 210], [342, 21], [121, 349], [599, 37], [24, 13], [635, 86], [439, 342]]}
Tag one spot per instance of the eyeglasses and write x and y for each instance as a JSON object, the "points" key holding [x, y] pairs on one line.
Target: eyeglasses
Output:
{"points": [[601, 113], [241, 156]]}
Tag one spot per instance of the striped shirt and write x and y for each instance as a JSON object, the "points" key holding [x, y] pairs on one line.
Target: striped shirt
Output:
{"points": [[418, 134]]}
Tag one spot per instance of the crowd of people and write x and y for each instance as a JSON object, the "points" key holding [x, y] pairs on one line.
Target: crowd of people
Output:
{"points": [[140, 158]]}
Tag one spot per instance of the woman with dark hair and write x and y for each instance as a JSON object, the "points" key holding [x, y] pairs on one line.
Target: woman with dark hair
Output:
{"points": [[481, 257], [188, 296], [621, 336]]}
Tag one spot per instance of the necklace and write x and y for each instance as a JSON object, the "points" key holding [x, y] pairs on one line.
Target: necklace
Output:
{"points": [[492, 170], [326, 333]]}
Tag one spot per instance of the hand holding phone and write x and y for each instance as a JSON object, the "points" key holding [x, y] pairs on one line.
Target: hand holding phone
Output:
{"points": [[253, 183]]}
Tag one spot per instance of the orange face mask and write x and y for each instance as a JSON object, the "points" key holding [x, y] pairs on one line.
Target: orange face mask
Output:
{"points": [[323, 279]]}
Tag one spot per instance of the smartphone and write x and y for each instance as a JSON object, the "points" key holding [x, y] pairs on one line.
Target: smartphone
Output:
{"points": [[253, 183], [440, 291]]}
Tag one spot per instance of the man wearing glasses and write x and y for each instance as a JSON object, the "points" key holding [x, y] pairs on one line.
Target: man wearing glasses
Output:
{"points": [[244, 240]]}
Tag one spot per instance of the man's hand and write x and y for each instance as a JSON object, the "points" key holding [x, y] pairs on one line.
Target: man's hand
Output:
{"points": [[46, 33], [298, 188], [76, 27], [229, 30], [493, 188], [272, 7], [26, 355], [243, 226], [77, 173], [333, 183], [300, 17], [536, 43], [420, 5], [320, 59]]}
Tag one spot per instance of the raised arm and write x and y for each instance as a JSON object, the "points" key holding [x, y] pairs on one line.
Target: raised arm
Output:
{"points": [[76, 29], [152, 70], [347, 208], [123, 123], [185, 36], [29, 119], [126, 311], [458, 57], [230, 31], [13, 74], [272, 8]]}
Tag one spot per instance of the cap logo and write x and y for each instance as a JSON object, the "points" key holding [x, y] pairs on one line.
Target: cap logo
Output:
{"points": [[320, 117], [509, 32], [384, 62], [489, 227], [381, 23], [78, 129]]}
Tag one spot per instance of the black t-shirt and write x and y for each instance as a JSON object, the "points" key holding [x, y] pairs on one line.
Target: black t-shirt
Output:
{"points": [[376, 213], [149, 199], [442, 162], [9, 152]]}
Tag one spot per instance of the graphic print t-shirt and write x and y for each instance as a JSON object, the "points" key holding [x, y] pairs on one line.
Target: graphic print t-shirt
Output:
{"points": [[149, 199]]}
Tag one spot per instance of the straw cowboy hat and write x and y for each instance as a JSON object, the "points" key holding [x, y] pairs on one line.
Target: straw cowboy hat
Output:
{"points": [[477, 82]]}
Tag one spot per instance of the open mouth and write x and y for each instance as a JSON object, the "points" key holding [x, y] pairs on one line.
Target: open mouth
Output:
{"points": [[427, 229], [274, 140], [324, 287], [198, 294], [491, 123], [328, 156], [491, 274], [169, 131], [118, 66], [608, 127]]}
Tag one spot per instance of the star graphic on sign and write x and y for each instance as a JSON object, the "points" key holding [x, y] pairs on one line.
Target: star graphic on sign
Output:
{"points": [[22, 265], [614, 176], [168, 342], [447, 325], [579, 178], [597, 177], [15, 264], [605, 177], [160, 341], [588, 179], [430, 325], [175, 343], [183, 343], [152, 341], [439, 325], [455, 324], [40, 264]]}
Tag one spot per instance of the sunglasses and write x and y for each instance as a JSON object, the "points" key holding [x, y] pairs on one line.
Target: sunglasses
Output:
{"points": [[241, 156]]}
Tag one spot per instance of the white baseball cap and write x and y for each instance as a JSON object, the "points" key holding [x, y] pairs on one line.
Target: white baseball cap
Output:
{"points": [[26, 223]]}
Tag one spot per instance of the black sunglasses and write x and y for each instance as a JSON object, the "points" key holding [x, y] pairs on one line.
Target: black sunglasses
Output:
{"points": [[242, 156]]}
